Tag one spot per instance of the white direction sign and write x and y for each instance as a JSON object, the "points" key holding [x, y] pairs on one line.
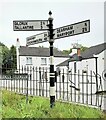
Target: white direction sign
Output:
{"points": [[73, 29], [66, 31], [39, 38], [30, 25]]}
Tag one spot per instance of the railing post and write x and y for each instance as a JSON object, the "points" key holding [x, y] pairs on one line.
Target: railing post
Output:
{"points": [[40, 81], [27, 91]]}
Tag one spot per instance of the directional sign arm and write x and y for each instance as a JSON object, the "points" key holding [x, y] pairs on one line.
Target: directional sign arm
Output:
{"points": [[35, 39], [65, 31], [73, 29], [30, 25]]}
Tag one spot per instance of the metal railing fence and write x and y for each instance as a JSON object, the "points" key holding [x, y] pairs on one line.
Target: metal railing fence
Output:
{"points": [[79, 87]]}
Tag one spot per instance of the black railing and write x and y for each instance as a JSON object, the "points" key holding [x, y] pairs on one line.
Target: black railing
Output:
{"points": [[79, 87]]}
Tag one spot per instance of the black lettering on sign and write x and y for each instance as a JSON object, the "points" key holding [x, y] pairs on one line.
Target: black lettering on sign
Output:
{"points": [[73, 31], [45, 39], [58, 35], [58, 30], [31, 38], [16, 27], [45, 35], [85, 24], [71, 27], [41, 25], [21, 23], [40, 40], [84, 29], [15, 23], [26, 27], [64, 29], [67, 33]]}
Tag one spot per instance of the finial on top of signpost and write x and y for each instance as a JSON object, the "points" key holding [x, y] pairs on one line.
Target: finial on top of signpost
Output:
{"points": [[50, 18], [50, 13]]}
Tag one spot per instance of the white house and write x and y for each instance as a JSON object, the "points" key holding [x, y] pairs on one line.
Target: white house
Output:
{"points": [[93, 59], [37, 56]]}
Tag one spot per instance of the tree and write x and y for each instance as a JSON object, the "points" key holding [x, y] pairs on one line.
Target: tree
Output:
{"points": [[4, 51], [66, 52], [83, 48], [7, 58], [13, 57]]}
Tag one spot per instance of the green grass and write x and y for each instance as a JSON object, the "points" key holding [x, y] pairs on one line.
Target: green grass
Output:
{"points": [[14, 106]]}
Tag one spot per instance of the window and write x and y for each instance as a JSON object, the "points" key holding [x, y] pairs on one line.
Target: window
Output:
{"points": [[49, 61], [28, 60], [43, 61]]}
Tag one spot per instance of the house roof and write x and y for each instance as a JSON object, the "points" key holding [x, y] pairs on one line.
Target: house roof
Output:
{"points": [[75, 57], [39, 51], [94, 50], [65, 63]]}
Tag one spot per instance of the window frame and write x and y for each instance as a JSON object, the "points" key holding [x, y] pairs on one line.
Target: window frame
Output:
{"points": [[28, 60], [43, 61]]}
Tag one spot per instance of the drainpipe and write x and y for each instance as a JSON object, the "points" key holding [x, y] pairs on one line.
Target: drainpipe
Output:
{"points": [[96, 68], [96, 73]]}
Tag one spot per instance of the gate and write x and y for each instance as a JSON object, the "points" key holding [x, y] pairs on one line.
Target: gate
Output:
{"points": [[79, 87]]}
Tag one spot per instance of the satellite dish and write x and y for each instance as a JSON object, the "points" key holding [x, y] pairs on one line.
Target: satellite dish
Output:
{"points": [[104, 75]]}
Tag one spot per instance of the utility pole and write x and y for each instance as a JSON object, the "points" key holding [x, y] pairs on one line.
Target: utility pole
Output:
{"points": [[52, 74]]}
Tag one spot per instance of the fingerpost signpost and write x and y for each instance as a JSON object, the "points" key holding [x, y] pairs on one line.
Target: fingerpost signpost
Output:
{"points": [[50, 36]]}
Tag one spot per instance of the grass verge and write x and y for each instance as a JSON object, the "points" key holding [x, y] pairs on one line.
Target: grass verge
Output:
{"points": [[14, 106]]}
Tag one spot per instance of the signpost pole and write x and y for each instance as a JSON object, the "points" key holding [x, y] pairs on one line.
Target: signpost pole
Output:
{"points": [[52, 74], [65, 31]]}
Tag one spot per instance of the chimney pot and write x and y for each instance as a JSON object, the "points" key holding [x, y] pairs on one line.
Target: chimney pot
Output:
{"points": [[17, 43], [78, 51]]}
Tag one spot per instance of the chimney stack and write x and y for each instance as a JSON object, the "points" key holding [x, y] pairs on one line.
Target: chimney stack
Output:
{"points": [[78, 51], [17, 50], [17, 43]]}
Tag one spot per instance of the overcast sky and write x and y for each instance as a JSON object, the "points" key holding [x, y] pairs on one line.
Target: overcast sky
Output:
{"points": [[64, 12]]}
